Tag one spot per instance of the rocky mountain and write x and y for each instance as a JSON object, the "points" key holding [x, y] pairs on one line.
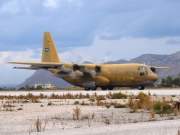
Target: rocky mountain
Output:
{"points": [[117, 62], [172, 61], [43, 77]]}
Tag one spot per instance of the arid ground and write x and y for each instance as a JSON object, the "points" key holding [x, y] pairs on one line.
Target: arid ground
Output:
{"points": [[90, 113]]}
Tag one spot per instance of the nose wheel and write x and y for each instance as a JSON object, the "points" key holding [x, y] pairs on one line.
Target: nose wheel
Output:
{"points": [[141, 87]]}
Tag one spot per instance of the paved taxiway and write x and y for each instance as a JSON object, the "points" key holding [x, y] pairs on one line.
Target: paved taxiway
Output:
{"points": [[98, 92]]}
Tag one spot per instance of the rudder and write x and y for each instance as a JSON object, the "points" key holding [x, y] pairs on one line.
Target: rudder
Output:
{"points": [[49, 53]]}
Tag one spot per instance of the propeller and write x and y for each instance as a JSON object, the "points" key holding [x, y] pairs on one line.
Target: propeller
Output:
{"points": [[153, 69], [97, 69]]}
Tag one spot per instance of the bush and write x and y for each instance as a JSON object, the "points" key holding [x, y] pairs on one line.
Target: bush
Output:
{"points": [[119, 106], [162, 108], [76, 102], [118, 95], [49, 104], [144, 101]]}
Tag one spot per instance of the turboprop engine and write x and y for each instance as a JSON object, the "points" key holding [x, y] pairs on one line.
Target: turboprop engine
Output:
{"points": [[67, 72]]}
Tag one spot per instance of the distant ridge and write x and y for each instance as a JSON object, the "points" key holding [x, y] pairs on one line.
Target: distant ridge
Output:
{"points": [[43, 77], [173, 61]]}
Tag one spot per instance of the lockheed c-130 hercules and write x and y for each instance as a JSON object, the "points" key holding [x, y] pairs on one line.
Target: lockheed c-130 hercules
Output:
{"points": [[91, 76]]}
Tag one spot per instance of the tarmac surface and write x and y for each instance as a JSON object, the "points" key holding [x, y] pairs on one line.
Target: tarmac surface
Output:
{"points": [[160, 92]]}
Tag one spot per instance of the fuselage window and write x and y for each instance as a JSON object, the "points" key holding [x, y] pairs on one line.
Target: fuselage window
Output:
{"points": [[141, 74]]}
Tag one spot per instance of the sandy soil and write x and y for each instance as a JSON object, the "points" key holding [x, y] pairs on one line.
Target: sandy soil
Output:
{"points": [[57, 119]]}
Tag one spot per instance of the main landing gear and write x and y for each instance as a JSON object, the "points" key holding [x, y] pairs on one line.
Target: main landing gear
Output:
{"points": [[141, 87], [107, 88], [88, 89]]}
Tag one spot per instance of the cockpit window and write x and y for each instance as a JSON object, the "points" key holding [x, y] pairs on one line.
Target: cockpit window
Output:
{"points": [[141, 68], [144, 68]]}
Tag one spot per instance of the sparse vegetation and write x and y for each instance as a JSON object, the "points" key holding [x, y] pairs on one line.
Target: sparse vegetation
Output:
{"points": [[162, 108], [76, 102], [38, 124], [145, 108], [20, 109], [76, 113], [118, 95]]}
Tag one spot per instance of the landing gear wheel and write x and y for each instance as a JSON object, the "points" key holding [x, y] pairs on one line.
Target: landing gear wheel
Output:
{"points": [[86, 89], [141, 87], [104, 88], [94, 89], [110, 88]]}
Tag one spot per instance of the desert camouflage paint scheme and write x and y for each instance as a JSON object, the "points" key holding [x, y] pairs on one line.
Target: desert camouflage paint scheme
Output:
{"points": [[91, 76]]}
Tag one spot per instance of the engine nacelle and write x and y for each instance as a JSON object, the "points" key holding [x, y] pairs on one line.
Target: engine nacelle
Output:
{"points": [[64, 69]]}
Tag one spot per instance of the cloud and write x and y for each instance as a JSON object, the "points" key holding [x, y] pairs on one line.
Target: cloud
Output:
{"points": [[16, 76], [101, 51], [173, 41], [11, 7], [77, 22], [26, 55], [50, 4]]}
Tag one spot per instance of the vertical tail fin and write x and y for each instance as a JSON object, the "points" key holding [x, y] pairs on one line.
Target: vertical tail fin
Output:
{"points": [[49, 53]]}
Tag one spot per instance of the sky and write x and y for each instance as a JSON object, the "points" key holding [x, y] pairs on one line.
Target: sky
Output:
{"points": [[85, 30]]}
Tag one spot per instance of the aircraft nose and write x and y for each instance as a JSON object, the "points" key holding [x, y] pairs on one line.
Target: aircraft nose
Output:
{"points": [[152, 77]]}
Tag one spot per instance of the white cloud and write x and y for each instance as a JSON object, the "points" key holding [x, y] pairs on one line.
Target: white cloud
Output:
{"points": [[11, 7], [50, 4], [15, 76], [26, 55], [124, 48]]}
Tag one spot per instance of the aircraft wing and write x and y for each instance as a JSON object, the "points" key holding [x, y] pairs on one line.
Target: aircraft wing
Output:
{"points": [[37, 65], [161, 67], [154, 68]]}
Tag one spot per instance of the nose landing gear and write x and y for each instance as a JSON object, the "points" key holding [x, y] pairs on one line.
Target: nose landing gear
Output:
{"points": [[141, 87]]}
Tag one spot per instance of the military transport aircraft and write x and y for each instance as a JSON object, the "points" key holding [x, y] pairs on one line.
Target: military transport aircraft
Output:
{"points": [[91, 76]]}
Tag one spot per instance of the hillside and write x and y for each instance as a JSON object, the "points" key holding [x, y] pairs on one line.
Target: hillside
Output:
{"points": [[44, 77]]}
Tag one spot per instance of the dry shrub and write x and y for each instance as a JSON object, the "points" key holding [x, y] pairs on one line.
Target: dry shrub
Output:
{"points": [[41, 96], [1, 97], [98, 100], [144, 101], [95, 94], [81, 96], [135, 105], [178, 133], [152, 115], [46, 121], [109, 95], [38, 125], [107, 121], [92, 116], [76, 113], [87, 95], [176, 111]]}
